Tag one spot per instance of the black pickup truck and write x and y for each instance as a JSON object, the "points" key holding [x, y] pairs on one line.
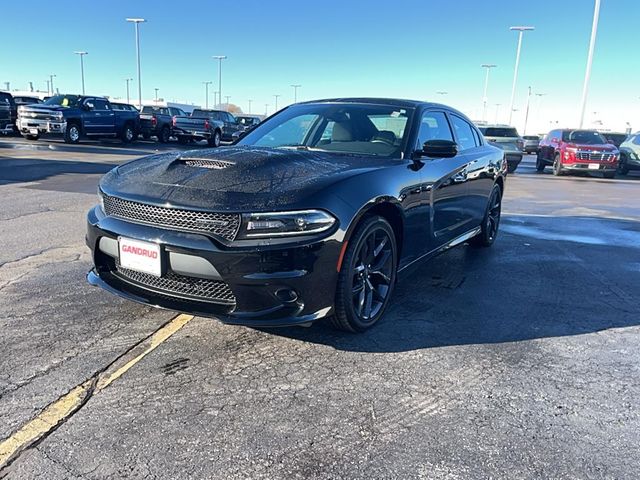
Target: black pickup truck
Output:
{"points": [[200, 125], [75, 116], [8, 112], [158, 122]]}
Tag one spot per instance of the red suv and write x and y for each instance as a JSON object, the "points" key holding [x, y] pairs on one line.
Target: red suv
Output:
{"points": [[577, 151]]}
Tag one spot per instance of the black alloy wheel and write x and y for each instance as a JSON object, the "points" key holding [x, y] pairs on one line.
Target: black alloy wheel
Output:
{"points": [[491, 221], [127, 134], [215, 140], [367, 276]]}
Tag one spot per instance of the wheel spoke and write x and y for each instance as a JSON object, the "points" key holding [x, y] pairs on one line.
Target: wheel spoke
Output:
{"points": [[385, 277], [380, 264], [357, 289], [368, 303], [379, 248], [361, 300]]}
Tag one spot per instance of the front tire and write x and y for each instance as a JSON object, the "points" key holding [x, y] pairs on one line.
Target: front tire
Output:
{"points": [[32, 137], [623, 169], [540, 164], [72, 134], [491, 220], [367, 276], [609, 174], [557, 166]]}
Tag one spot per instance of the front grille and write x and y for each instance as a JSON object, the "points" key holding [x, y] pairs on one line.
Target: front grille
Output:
{"points": [[224, 225], [204, 163], [594, 156], [202, 289], [38, 116]]}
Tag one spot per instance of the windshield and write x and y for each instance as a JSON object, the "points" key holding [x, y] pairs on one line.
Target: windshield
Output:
{"points": [[584, 137], [499, 132], [531, 137], [63, 100], [364, 129]]}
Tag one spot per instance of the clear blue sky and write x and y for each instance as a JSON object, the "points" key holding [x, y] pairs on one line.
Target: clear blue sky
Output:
{"points": [[408, 49]]}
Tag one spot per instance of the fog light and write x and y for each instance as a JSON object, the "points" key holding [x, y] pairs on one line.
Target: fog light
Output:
{"points": [[287, 295]]}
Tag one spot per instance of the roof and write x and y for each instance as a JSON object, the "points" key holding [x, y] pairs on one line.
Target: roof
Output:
{"points": [[373, 100]]}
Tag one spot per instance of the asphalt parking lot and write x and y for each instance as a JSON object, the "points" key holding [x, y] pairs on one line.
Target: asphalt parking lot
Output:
{"points": [[517, 362]]}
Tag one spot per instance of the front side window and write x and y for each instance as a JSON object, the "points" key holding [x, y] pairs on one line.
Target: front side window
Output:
{"points": [[433, 126], [353, 128], [464, 133], [100, 105]]}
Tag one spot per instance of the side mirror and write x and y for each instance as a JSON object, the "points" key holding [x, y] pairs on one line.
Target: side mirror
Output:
{"points": [[439, 149], [87, 106]]}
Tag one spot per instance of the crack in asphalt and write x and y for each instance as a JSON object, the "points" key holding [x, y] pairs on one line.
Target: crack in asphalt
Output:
{"points": [[97, 382]]}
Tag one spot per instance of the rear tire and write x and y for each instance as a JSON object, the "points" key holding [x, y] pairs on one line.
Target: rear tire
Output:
{"points": [[127, 135], [214, 141], [557, 166], [146, 136], [491, 220], [164, 135], [511, 168], [32, 137], [367, 276], [72, 134]]}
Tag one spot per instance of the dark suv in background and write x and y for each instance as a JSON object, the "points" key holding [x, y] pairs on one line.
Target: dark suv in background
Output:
{"points": [[8, 114], [508, 139], [629, 154]]}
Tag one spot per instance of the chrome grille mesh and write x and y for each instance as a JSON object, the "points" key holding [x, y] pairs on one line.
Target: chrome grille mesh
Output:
{"points": [[225, 225], [203, 289], [594, 156]]}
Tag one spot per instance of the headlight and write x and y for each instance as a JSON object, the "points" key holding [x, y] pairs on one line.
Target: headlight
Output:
{"points": [[280, 224], [58, 116]]}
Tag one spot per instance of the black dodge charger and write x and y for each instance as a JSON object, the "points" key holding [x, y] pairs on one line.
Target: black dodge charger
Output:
{"points": [[312, 214]]}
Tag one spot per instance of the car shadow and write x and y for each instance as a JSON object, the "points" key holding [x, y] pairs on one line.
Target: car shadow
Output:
{"points": [[20, 170], [526, 287]]}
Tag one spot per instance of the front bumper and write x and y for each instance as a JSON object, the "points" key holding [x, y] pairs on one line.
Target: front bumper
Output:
{"points": [[265, 286], [586, 167], [36, 126]]}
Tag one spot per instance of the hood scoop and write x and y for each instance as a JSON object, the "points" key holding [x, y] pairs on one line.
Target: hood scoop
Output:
{"points": [[212, 164]]}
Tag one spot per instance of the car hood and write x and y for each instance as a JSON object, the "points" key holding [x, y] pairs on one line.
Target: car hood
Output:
{"points": [[234, 178], [42, 107]]}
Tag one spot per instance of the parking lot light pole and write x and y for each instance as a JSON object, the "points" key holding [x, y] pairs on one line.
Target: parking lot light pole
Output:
{"points": [[48, 87], [266, 109], [206, 94], [526, 115], [520, 31], [220, 58], [227, 97], [295, 92], [51, 77], [497, 108], [442, 93], [137, 22], [587, 73], [249, 104], [276, 103], [128, 80], [82, 54], [156, 97], [487, 66]]}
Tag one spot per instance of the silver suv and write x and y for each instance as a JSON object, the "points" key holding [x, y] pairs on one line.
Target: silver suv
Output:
{"points": [[508, 139]]}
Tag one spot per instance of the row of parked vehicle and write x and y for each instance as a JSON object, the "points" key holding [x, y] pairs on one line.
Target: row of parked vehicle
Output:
{"points": [[74, 117], [569, 150]]}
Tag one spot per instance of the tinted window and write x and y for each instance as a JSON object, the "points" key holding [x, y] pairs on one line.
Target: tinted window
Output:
{"points": [[5, 99], [636, 140], [355, 128], [464, 133], [584, 137], [433, 126], [530, 137], [100, 104], [500, 132], [230, 118]]}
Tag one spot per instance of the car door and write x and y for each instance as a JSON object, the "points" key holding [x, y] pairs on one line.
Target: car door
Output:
{"points": [[103, 118], [480, 171], [444, 182]]}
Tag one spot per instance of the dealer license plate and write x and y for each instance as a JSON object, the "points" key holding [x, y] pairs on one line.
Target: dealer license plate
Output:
{"points": [[140, 256]]}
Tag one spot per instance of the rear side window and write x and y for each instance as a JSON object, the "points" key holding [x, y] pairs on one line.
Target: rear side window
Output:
{"points": [[500, 132], [433, 126], [464, 133], [4, 99]]}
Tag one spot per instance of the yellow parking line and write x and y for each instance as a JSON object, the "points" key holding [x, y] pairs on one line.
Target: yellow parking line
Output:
{"points": [[65, 406]]}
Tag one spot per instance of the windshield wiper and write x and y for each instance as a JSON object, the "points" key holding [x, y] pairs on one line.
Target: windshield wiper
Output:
{"points": [[297, 146]]}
